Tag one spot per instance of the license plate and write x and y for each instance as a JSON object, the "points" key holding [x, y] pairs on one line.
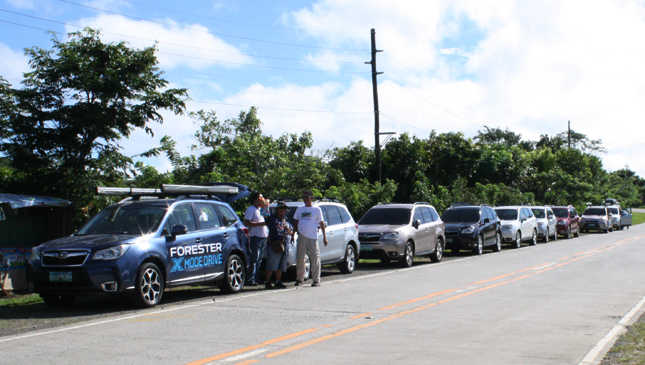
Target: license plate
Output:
{"points": [[591, 225], [60, 276], [448, 240], [366, 248]]}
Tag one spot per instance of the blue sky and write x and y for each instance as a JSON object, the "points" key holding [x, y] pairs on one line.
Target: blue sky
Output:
{"points": [[448, 65]]}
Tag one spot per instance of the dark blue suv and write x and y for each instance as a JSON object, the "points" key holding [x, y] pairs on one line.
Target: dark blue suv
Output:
{"points": [[472, 227], [144, 244]]}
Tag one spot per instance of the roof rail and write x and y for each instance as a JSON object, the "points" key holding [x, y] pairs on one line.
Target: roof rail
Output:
{"points": [[415, 203], [227, 192], [460, 204]]}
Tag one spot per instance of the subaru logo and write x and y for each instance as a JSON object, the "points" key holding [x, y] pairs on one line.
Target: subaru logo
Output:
{"points": [[63, 255]]}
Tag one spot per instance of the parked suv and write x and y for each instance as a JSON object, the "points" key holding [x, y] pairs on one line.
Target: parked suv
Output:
{"points": [[400, 232], [343, 246], [473, 228], [568, 221], [547, 226], [597, 218], [142, 246], [518, 224]]}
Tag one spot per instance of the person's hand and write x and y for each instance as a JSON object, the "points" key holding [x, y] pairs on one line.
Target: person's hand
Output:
{"points": [[325, 241]]}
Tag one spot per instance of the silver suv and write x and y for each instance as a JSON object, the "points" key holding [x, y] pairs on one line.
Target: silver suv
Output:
{"points": [[518, 224], [343, 247], [401, 231]]}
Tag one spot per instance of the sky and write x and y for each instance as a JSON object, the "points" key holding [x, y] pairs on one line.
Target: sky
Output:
{"points": [[447, 65]]}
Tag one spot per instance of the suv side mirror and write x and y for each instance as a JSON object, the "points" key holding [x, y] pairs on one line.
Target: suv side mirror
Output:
{"points": [[416, 223], [177, 230], [486, 220]]}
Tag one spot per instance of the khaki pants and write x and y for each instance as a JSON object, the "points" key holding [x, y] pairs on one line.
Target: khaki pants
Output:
{"points": [[310, 246]]}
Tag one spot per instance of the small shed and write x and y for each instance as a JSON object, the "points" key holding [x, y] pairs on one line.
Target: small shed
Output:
{"points": [[25, 222]]}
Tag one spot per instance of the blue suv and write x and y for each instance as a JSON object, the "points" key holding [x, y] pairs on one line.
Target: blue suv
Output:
{"points": [[146, 243]]}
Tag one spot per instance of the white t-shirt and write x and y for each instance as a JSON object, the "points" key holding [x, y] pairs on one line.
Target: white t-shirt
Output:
{"points": [[309, 219], [253, 214]]}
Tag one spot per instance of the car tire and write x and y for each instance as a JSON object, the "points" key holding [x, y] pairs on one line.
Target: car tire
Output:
{"points": [[234, 275], [518, 240], [533, 240], [577, 234], [479, 249], [555, 235], [437, 255], [149, 287], [546, 236], [408, 255], [348, 264], [607, 230], [568, 234], [498, 243], [58, 301]]}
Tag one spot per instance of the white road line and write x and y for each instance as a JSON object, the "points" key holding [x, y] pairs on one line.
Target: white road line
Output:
{"points": [[597, 353]]}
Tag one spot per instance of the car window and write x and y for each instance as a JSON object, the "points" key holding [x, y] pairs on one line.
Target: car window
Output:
{"points": [[434, 214], [418, 215], [207, 216], [333, 215], [133, 219], [613, 210], [539, 213], [427, 216], [344, 215], [491, 213], [460, 215], [183, 214], [507, 214], [227, 216], [396, 216], [573, 212], [527, 212]]}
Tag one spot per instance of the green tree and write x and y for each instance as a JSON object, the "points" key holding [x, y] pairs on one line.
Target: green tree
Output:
{"points": [[62, 128]]}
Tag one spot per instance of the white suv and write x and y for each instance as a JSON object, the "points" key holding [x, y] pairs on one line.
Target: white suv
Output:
{"points": [[546, 223], [343, 247], [518, 224]]}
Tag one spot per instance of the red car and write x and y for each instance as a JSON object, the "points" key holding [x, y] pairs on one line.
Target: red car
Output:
{"points": [[568, 221]]}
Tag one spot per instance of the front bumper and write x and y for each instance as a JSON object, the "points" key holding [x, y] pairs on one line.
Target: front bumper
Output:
{"points": [[594, 225], [381, 250], [78, 280]]}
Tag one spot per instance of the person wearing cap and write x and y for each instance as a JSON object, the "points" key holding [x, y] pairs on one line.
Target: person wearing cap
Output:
{"points": [[307, 219], [279, 230], [254, 220]]}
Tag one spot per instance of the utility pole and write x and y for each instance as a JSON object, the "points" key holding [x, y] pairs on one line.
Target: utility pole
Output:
{"points": [[569, 134], [377, 135]]}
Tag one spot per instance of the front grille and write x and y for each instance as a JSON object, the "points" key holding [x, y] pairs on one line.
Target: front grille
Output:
{"points": [[65, 257], [369, 237]]}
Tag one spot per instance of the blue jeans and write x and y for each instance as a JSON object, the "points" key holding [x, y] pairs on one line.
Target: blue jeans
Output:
{"points": [[257, 245]]}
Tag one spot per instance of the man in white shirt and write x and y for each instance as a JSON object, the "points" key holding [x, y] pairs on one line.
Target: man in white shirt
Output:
{"points": [[258, 236], [308, 218]]}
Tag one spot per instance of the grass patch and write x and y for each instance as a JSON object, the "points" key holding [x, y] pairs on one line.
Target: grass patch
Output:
{"points": [[638, 218], [629, 348], [16, 300]]}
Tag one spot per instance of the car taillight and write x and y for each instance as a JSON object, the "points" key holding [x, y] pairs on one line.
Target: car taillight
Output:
{"points": [[356, 226], [245, 230]]}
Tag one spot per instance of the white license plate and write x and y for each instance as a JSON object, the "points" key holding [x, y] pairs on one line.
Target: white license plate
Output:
{"points": [[366, 248], [591, 225], [60, 276], [448, 240]]}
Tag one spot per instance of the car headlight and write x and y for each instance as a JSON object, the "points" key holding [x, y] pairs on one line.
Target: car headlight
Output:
{"points": [[540, 224], [562, 223], [391, 235], [111, 253], [504, 227], [35, 254], [468, 230]]}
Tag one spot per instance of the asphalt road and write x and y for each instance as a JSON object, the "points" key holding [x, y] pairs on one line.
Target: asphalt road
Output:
{"points": [[547, 304]]}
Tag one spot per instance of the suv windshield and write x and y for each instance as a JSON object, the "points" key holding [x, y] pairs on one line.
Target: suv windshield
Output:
{"points": [[561, 212], [460, 215], [125, 219], [539, 213], [594, 211], [507, 214], [394, 216], [613, 210]]}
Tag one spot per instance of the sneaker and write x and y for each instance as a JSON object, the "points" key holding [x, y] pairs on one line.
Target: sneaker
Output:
{"points": [[298, 283], [279, 285], [268, 285], [315, 284]]}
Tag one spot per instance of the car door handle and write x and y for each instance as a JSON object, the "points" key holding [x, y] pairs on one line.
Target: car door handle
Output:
{"points": [[225, 235], [199, 240], [331, 233]]}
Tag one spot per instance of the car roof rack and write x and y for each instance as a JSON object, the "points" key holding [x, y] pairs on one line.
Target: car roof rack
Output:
{"points": [[221, 191], [415, 203], [460, 204]]}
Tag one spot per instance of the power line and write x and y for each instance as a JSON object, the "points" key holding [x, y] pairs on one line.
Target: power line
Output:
{"points": [[283, 109], [213, 33]]}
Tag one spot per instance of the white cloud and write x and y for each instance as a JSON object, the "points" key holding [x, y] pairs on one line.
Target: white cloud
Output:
{"points": [[180, 45], [13, 64]]}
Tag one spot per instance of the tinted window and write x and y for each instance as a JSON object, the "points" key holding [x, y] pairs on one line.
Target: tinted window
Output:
{"points": [[539, 213], [136, 219], [434, 214], [207, 216], [561, 212], [460, 215], [183, 215], [418, 214], [491, 213], [333, 215], [344, 214], [507, 214], [228, 217], [398, 216], [594, 211], [613, 210]]}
